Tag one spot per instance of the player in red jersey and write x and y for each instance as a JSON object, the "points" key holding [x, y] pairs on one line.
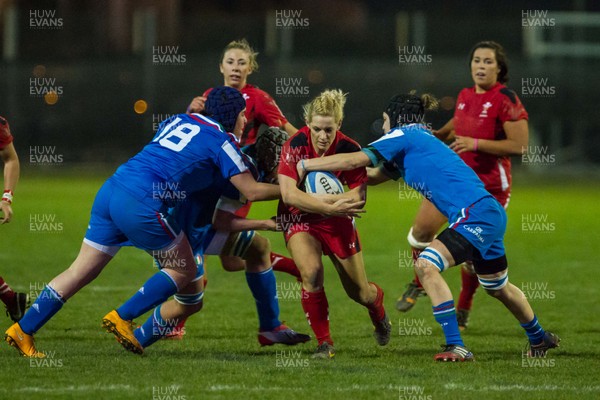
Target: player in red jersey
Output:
{"points": [[310, 230], [15, 302], [489, 125], [237, 62]]}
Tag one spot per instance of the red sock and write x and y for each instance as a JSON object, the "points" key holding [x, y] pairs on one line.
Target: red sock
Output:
{"points": [[180, 325], [376, 310], [284, 264], [415, 255], [316, 308], [7, 295], [470, 283]]}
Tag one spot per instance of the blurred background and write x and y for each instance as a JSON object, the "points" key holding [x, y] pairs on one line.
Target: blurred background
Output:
{"points": [[89, 81]]}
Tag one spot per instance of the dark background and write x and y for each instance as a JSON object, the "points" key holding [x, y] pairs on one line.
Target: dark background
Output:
{"points": [[101, 60]]}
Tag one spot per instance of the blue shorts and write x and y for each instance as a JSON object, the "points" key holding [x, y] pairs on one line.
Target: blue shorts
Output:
{"points": [[483, 224], [119, 219]]}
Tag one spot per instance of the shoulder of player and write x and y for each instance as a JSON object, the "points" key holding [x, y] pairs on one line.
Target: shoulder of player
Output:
{"points": [[506, 93], [254, 92], [299, 139], [345, 144]]}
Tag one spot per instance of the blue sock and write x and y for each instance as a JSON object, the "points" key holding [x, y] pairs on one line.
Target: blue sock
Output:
{"points": [[445, 315], [154, 328], [264, 289], [534, 331], [155, 291], [48, 303]]}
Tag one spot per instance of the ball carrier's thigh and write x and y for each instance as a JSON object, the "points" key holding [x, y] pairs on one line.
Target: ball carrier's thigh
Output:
{"points": [[306, 251]]}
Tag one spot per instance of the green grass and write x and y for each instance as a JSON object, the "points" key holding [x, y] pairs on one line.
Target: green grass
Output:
{"points": [[220, 357]]}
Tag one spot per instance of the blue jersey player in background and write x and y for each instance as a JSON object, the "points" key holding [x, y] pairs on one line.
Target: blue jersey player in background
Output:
{"points": [[477, 221], [189, 153]]}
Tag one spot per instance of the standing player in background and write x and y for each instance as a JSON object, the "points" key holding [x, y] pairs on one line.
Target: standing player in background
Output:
{"points": [[237, 62], [489, 125], [15, 302], [310, 230], [190, 153], [476, 232]]}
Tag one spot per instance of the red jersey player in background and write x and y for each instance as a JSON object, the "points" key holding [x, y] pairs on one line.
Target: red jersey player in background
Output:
{"points": [[237, 62], [311, 231], [489, 125], [15, 302]]}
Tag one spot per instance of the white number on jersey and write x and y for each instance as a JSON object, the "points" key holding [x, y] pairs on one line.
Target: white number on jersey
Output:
{"points": [[183, 132]]}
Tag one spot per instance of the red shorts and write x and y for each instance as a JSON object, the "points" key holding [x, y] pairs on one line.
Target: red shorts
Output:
{"points": [[244, 210], [337, 235]]}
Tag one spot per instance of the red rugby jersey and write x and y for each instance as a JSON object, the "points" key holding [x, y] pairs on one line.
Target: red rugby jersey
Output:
{"points": [[260, 109], [300, 147], [5, 136], [481, 115]]}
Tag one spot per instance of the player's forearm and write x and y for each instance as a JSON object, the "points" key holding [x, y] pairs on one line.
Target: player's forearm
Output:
{"points": [[11, 174], [305, 202], [294, 197], [264, 191], [337, 162], [444, 132], [228, 222], [375, 176], [505, 147]]}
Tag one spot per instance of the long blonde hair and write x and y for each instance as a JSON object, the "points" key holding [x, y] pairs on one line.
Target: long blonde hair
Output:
{"points": [[243, 45], [329, 103]]}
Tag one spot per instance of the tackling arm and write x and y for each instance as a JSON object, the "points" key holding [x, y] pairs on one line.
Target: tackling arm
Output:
{"points": [[336, 162], [229, 222], [376, 176], [252, 190]]}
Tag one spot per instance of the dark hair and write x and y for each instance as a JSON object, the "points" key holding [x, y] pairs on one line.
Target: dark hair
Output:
{"points": [[404, 109], [500, 57]]}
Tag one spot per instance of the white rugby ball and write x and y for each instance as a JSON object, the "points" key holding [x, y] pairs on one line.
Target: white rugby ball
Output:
{"points": [[322, 182]]}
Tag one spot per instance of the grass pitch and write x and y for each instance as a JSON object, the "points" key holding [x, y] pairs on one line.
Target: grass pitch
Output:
{"points": [[550, 242]]}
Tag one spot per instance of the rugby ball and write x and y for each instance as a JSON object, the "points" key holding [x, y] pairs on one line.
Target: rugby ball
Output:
{"points": [[322, 182]]}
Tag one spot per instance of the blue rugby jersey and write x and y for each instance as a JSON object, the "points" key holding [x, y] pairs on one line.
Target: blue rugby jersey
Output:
{"points": [[428, 166], [189, 153]]}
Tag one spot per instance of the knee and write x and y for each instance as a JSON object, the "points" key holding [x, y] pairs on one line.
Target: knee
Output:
{"points": [[420, 236], [311, 279], [496, 285], [232, 264], [259, 251], [189, 304], [494, 293], [425, 269], [362, 295]]}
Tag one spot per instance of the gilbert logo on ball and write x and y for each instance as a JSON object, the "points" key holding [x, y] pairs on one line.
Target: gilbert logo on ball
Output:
{"points": [[323, 182]]}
